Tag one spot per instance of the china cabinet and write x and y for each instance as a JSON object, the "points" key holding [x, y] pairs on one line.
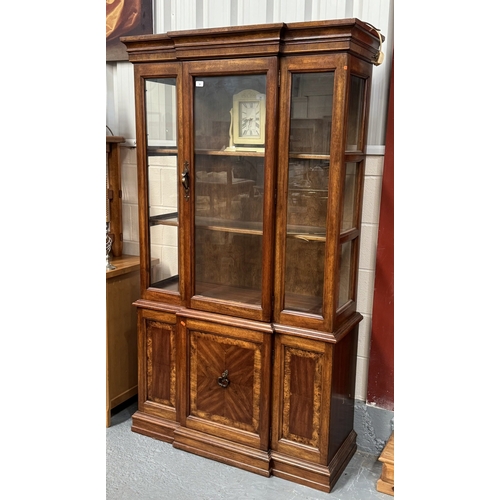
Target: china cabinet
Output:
{"points": [[251, 144]]}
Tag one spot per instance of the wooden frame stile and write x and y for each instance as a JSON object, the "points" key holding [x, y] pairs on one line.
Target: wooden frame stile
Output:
{"points": [[337, 170]]}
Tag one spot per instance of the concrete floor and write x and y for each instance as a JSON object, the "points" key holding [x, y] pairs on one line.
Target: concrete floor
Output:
{"points": [[142, 468]]}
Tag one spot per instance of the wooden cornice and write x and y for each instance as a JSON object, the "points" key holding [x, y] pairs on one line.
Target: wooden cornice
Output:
{"points": [[342, 35]]}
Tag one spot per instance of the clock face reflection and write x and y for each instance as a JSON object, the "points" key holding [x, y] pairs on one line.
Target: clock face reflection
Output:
{"points": [[250, 119]]}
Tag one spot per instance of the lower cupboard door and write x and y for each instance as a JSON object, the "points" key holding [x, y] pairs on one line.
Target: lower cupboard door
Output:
{"points": [[301, 401], [229, 382]]}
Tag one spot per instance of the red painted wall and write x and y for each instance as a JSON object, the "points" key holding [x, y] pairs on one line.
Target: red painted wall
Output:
{"points": [[381, 370]]}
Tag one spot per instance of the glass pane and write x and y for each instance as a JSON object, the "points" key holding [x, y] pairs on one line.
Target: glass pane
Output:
{"points": [[161, 120], [350, 188], [311, 108], [355, 114], [345, 274], [229, 117], [308, 178]]}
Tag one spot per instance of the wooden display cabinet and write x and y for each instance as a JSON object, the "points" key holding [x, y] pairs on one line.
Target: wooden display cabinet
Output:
{"points": [[251, 145]]}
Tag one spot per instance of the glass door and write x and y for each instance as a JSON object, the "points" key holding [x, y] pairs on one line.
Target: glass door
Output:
{"points": [[309, 170], [231, 177], [308, 190], [162, 185]]}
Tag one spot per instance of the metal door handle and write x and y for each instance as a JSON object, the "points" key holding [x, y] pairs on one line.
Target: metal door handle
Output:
{"points": [[223, 380], [185, 179]]}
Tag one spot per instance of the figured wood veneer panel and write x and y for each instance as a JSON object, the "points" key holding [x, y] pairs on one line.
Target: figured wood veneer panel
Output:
{"points": [[238, 404], [160, 363], [302, 396]]}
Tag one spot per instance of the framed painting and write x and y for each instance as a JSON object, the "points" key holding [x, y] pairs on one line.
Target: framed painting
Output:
{"points": [[123, 18]]}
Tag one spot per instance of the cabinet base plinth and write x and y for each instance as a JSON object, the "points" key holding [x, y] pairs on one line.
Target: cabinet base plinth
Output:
{"points": [[154, 427], [221, 450], [319, 477]]}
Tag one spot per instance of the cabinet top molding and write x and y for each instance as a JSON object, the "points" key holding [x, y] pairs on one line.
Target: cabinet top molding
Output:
{"points": [[341, 35]]}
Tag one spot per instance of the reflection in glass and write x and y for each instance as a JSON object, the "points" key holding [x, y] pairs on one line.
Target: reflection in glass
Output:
{"points": [[350, 189], [229, 189], [308, 178], [311, 107], [345, 274], [161, 128], [355, 113]]}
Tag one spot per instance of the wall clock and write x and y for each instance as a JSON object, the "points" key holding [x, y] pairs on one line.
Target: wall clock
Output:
{"points": [[248, 119]]}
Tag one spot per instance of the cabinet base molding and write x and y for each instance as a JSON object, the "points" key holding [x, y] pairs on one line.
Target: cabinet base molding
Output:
{"points": [[221, 450], [154, 427], [319, 477], [124, 396]]}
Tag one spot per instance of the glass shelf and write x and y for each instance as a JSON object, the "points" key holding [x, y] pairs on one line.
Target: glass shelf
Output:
{"points": [[164, 219], [229, 226]]}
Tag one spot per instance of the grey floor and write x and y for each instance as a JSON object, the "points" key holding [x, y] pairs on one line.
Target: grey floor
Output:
{"points": [[142, 468]]}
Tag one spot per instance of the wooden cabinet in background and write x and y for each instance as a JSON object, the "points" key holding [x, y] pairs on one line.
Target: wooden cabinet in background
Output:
{"points": [[251, 147], [122, 290], [114, 193]]}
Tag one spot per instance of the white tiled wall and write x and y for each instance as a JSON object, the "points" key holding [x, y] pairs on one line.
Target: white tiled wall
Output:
{"points": [[366, 278], [369, 234]]}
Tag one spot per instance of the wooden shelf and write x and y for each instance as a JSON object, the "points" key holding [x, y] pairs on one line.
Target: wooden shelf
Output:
{"points": [[236, 152], [123, 264], [164, 220], [228, 226]]}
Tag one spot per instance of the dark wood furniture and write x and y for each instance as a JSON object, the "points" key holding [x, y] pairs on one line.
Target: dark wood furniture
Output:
{"points": [[248, 324]]}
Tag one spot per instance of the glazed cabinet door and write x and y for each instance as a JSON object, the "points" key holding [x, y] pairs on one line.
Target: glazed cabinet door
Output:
{"points": [[227, 395], [159, 174], [231, 167], [320, 186]]}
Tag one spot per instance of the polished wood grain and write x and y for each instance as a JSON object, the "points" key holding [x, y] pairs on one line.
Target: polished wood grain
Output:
{"points": [[122, 289], [251, 360]]}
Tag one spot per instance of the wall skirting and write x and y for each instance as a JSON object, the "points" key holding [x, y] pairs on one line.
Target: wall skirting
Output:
{"points": [[373, 425]]}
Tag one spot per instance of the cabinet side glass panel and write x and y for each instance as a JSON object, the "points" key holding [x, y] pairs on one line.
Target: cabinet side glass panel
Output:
{"points": [[229, 119], [161, 125], [345, 288], [355, 113], [350, 190], [308, 177]]}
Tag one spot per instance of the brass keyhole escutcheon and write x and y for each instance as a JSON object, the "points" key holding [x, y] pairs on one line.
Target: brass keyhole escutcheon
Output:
{"points": [[223, 380]]}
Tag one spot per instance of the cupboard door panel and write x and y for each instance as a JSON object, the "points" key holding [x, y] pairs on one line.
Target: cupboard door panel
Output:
{"points": [[228, 387], [237, 404], [301, 402], [160, 363]]}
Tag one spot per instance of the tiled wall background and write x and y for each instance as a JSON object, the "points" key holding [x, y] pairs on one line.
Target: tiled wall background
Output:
{"points": [[369, 233]]}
